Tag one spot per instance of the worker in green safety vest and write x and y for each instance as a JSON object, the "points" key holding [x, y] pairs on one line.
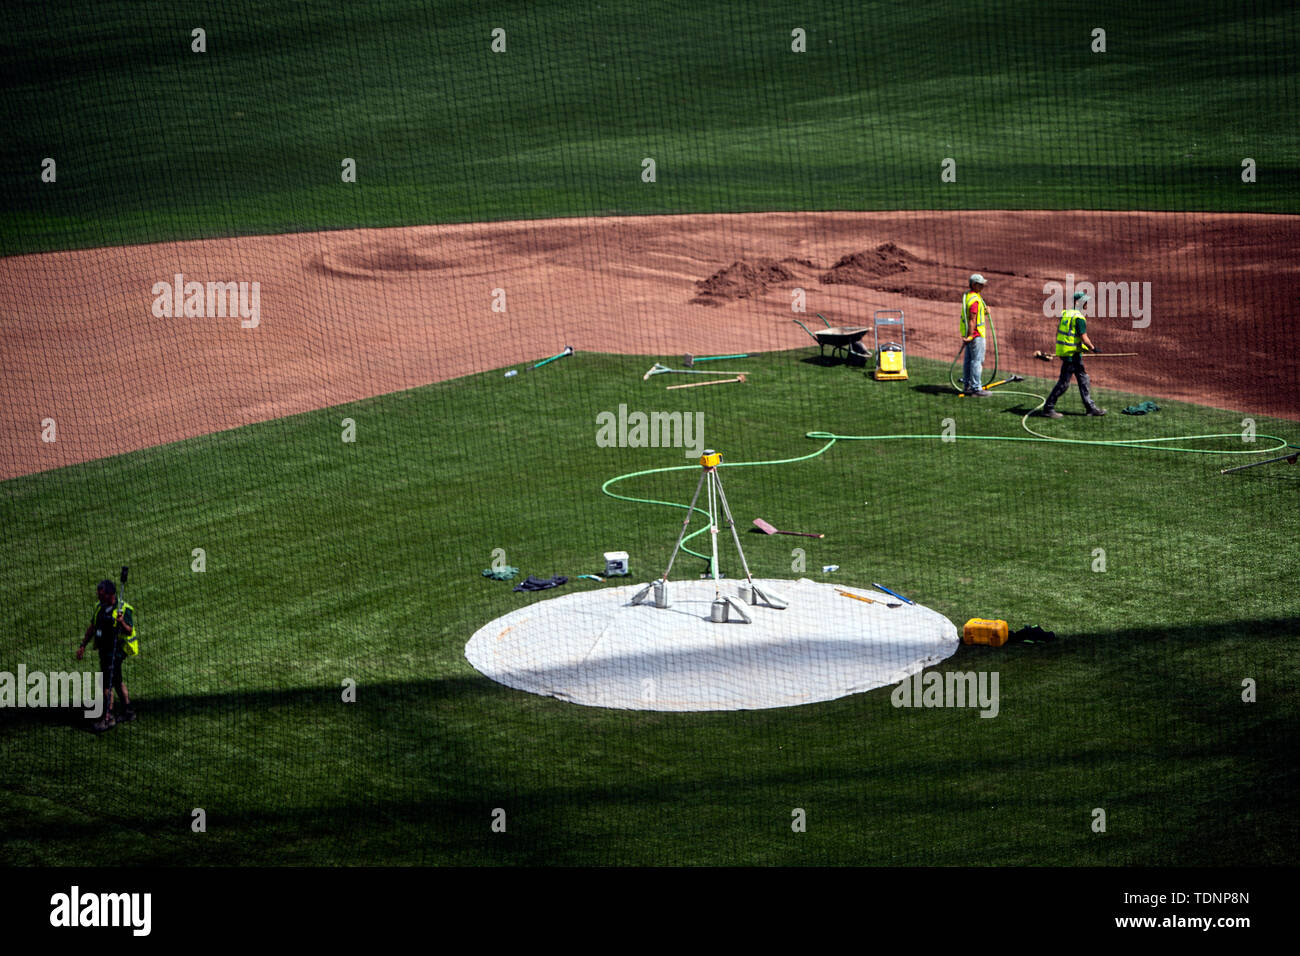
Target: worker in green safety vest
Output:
{"points": [[113, 628], [1071, 343]]}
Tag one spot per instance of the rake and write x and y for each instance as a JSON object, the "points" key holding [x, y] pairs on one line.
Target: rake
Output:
{"points": [[658, 369]]}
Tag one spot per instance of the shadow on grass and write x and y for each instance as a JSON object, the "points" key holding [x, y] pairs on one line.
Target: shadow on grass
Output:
{"points": [[553, 817], [1252, 476], [831, 361], [1255, 816], [173, 706], [70, 717]]}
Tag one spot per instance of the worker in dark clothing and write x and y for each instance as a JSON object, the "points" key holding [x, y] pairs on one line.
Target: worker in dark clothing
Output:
{"points": [[1071, 343], [112, 624]]}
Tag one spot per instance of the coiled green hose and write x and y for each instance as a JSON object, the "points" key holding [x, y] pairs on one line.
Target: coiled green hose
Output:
{"points": [[830, 438]]}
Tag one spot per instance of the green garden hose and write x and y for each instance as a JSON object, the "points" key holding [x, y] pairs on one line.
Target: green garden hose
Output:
{"points": [[673, 504], [993, 376], [830, 438]]}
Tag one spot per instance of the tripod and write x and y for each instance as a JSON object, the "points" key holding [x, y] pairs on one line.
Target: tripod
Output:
{"points": [[717, 506]]}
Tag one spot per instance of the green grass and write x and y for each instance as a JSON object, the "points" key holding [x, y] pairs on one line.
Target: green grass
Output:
{"points": [[328, 561], [154, 142]]}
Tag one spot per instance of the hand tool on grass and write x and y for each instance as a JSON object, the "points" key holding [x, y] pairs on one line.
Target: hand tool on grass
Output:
{"points": [[692, 359], [766, 528], [659, 369], [716, 381], [568, 350], [1267, 461], [881, 587], [1002, 381], [859, 597]]}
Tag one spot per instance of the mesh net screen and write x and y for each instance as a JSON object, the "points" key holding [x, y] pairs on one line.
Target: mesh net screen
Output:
{"points": [[315, 313]]}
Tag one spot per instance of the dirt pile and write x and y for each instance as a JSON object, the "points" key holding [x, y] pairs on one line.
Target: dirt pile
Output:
{"points": [[867, 268], [742, 280]]}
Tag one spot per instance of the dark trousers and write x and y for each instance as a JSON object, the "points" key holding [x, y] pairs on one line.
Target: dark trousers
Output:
{"points": [[110, 665], [1072, 366]]}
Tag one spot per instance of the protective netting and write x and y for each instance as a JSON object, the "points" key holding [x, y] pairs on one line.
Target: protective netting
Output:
{"points": [[264, 269]]}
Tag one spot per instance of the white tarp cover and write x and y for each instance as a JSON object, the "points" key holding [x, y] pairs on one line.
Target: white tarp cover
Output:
{"points": [[596, 648]]}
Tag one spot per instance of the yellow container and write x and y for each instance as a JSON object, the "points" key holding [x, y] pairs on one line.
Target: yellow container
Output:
{"points": [[979, 630]]}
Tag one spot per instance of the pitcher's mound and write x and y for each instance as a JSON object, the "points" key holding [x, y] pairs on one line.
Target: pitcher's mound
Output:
{"points": [[597, 648]]}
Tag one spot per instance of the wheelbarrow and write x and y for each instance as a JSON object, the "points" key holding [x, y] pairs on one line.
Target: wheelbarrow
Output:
{"points": [[840, 340]]}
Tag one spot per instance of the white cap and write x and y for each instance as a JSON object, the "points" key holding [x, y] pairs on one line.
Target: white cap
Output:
{"points": [[977, 279]]}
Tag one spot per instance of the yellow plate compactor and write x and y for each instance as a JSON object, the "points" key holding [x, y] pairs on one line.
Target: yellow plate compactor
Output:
{"points": [[891, 356]]}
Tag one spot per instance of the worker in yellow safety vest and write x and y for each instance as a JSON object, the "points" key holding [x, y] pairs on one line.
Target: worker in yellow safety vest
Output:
{"points": [[974, 319], [1071, 343]]}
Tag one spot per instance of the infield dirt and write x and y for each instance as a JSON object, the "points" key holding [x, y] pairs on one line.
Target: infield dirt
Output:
{"points": [[351, 314]]}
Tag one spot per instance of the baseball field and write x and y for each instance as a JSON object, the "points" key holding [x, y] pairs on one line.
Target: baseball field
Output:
{"points": [[406, 200]]}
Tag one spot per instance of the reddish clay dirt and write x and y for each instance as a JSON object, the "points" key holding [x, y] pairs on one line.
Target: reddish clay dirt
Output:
{"points": [[741, 280], [868, 268], [351, 314]]}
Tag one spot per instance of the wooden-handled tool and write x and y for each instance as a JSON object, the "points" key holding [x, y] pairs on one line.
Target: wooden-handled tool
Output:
{"points": [[766, 528], [716, 381], [865, 600], [1047, 357]]}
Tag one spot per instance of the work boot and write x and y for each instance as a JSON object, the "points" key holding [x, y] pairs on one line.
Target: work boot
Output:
{"points": [[979, 393], [104, 723], [1095, 410], [125, 717], [1050, 413]]}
